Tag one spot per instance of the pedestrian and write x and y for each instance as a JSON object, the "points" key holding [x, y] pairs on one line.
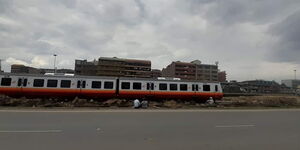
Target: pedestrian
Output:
{"points": [[136, 104], [144, 104]]}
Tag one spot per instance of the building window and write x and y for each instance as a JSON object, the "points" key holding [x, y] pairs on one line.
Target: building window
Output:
{"points": [[5, 81], [125, 85], [108, 85], [38, 82], [163, 86], [96, 84], [183, 87], [65, 83], [137, 86], [206, 87], [52, 83], [173, 87]]}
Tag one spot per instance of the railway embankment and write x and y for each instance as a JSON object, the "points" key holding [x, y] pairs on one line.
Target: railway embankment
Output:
{"points": [[276, 101]]}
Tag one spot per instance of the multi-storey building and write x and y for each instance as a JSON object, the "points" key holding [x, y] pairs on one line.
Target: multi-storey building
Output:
{"points": [[118, 67], [291, 83], [84, 67], [17, 68], [191, 71], [222, 76], [123, 67], [155, 73]]}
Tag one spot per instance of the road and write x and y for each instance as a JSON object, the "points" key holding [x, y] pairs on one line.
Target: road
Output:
{"points": [[152, 129]]}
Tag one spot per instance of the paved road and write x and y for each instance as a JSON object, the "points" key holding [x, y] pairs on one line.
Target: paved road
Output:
{"points": [[135, 130]]}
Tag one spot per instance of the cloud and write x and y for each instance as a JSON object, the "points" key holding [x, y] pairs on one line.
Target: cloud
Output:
{"points": [[242, 35], [286, 35]]}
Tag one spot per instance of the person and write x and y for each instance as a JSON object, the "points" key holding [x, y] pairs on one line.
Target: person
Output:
{"points": [[210, 101], [136, 103], [144, 104]]}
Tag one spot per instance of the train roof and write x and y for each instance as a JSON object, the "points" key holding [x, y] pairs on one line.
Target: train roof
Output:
{"points": [[103, 77]]}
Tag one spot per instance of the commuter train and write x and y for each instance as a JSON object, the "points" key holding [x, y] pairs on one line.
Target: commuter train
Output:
{"points": [[97, 87]]}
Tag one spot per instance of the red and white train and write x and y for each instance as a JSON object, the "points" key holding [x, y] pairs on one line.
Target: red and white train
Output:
{"points": [[97, 87]]}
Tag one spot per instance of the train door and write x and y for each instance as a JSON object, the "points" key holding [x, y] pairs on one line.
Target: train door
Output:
{"points": [[22, 82], [81, 84], [195, 89], [150, 88]]}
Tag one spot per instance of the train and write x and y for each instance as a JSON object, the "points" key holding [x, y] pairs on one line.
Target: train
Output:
{"points": [[102, 87]]}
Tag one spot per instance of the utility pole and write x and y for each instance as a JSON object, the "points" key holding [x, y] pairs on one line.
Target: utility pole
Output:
{"points": [[54, 63]]}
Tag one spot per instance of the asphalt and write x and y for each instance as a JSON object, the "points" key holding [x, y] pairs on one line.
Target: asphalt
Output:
{"points": [[151, 129]]}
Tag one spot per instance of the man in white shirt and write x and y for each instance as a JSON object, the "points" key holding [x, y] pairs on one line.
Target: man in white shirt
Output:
{"points": [[136, 103]]}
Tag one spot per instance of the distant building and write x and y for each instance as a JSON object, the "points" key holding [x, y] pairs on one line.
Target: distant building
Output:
{"points": [[291, 83], [191, 71], [113, 66], [84, 67], [261, 86], [222, 76], [255, 86], [17, 68], [120, 67], [155, 73]]}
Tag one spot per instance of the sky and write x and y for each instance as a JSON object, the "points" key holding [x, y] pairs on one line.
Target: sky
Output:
{"points": [[251, 39]]}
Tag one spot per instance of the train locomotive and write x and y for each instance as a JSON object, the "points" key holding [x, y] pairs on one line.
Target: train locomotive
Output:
{"points": [[98, 87]]}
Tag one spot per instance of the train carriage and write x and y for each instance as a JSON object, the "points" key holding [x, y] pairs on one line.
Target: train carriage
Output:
{"points": [[105, 87]]}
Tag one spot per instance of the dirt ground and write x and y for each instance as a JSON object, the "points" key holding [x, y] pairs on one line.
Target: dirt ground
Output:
{"points": [[226, 102]]}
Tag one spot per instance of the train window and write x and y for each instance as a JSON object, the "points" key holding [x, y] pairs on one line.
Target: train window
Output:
{"points": [[206, 87], [6, 81], [162, 86], [96, 84], [108, 85], [52, 83], [173, 87], [125, 85], [216, 88], [137, 86], [183, 87], [38, 82], [65, 83]]}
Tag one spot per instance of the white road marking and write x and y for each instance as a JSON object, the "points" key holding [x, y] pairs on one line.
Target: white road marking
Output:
{"points": [[235, 126], [30, 131]]}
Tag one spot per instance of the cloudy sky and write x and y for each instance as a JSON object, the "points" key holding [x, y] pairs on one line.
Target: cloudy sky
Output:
{"points": [[251, 39]]}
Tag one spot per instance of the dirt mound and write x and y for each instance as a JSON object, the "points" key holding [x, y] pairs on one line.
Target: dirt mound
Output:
{"points": [[242, 101], [263, 101]]}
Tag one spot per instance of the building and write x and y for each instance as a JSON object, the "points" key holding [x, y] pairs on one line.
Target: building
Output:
{"points": [[17, 68], [113, 66], [155, 73], [261, 86], [84, 67], [291, 83], [194, 70], [120, 67], [255, 87], [222, 76]]}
